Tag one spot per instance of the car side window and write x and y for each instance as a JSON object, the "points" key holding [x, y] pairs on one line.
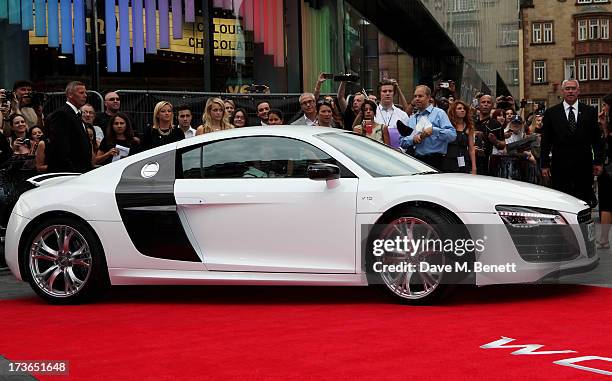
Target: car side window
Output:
{"points": [[253, 157]]}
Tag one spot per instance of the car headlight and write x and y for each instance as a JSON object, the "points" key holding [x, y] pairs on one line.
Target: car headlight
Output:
{"points": [[539, 235], [526, 217]]}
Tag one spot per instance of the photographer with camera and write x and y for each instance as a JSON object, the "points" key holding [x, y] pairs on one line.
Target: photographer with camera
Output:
{"points": [[444, 91], [19, 129], [338, 118], [27, 103], [490, 138], [5, 146]]}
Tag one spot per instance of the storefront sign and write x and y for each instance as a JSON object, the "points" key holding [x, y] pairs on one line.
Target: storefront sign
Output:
{"points": [[229, 39]]}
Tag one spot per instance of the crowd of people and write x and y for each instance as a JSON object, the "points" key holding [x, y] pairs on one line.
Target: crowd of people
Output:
{"points": [[563, 146]]}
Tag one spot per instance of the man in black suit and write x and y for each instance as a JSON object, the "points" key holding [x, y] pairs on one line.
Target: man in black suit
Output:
{"points": [[571, 131], [69, 149]]}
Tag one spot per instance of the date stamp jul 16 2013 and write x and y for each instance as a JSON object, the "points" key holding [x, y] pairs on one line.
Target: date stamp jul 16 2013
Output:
{"points": [[48, 367]]}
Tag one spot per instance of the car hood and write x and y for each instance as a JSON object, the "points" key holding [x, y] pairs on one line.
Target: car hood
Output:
{"points": [[469, 193]]}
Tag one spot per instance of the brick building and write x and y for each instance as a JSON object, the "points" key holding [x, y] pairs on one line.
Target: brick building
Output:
{"points": [[565, 39]]}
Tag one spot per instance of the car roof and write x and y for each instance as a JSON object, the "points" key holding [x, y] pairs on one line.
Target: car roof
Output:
{"points": [[287, 130]]}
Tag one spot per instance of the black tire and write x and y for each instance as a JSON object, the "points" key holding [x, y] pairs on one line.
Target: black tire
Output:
{"points": [[64, 262], [413, 287]]}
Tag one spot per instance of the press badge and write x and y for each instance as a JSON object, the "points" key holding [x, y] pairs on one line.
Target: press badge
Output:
{"points": [[461, 161]]}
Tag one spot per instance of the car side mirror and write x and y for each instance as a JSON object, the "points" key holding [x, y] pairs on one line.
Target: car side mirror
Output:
{"points": [[323, 171]]}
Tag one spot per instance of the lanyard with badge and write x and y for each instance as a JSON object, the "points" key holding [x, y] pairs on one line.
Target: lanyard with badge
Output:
{"points": [[386, 121]]}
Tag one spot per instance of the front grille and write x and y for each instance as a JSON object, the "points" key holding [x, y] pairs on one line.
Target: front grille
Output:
{"points": [[545, 243], [584, 218]]}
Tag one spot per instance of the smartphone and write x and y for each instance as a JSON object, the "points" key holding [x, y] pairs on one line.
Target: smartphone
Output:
{"points": [[328, 76], [368, 125]]}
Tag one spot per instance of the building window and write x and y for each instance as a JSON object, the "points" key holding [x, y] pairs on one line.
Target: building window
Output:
{"points": [[548, 32], [605, 68], [463, 5], [582, 30], [593, 29], [508, 35], [513, 69], [536, 34], [465, 36], [593, 102], [570, 69], [594, 68], [539, 71], [582, 69], [542, 33]]}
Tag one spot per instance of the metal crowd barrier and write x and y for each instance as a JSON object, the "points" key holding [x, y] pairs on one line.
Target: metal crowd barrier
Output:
{"points": [[139, 104], [56, 99]]}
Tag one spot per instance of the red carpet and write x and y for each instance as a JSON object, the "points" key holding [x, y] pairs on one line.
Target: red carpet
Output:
{"points": [[315, 333]]}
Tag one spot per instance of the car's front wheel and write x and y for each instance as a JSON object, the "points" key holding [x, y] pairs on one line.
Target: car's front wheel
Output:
{"points": [[64, 262], [416, 271]]}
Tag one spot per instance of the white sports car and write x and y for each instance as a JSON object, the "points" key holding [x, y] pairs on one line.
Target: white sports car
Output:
{"points": [[288, 206]]}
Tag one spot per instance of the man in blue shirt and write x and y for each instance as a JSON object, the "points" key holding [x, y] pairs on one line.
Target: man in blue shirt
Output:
{"points": [[432, 130]]}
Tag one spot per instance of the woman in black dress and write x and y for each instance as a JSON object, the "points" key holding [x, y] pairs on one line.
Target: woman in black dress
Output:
{"points": [[604, 181], [162, 132], [461, 153]]}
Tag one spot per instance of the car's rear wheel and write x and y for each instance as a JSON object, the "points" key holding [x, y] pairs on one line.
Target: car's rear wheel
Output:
{"points": [[64, 262], [421, 279]]}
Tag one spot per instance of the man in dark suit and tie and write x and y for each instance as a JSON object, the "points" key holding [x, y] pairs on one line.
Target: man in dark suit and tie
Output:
{"points": [[571, 131], [69, 149]]}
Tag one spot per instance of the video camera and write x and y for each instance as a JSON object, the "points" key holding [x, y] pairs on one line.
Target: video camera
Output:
{"points": [[346, 77], [258, 89], [8, 97], [505, 102]]}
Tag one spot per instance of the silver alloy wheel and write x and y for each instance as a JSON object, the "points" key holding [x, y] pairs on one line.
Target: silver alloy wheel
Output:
{"points": [[60, 261], [411, 284]]}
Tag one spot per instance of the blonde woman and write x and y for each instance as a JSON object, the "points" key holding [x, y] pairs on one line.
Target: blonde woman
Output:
{"points": [[215, 118], [162, 132]]}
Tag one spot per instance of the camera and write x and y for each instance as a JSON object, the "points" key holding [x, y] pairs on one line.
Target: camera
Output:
{"points": [[36, 99], [8, 97], [328, 76], [26, 142], [444, 85], [346, 78]]}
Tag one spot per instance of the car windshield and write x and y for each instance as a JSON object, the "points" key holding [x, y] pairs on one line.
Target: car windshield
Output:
{"points": [[375, 158]]}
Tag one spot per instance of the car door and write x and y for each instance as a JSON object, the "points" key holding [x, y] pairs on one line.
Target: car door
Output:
{"points": [[251, 207]]}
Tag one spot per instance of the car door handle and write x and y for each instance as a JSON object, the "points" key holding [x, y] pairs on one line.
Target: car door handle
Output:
{"points": [[189, 201]]}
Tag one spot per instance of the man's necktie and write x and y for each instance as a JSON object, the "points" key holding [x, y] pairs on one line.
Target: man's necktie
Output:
{"points": [[571, 119]]}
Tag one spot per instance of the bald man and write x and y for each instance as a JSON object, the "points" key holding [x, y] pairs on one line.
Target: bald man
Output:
{"points": [[112, 104]]}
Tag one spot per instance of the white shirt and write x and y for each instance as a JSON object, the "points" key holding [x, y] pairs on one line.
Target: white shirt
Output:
{"points": [[190, 133], [76, 111], [309, 122], [390, 116], [575, 110]]}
